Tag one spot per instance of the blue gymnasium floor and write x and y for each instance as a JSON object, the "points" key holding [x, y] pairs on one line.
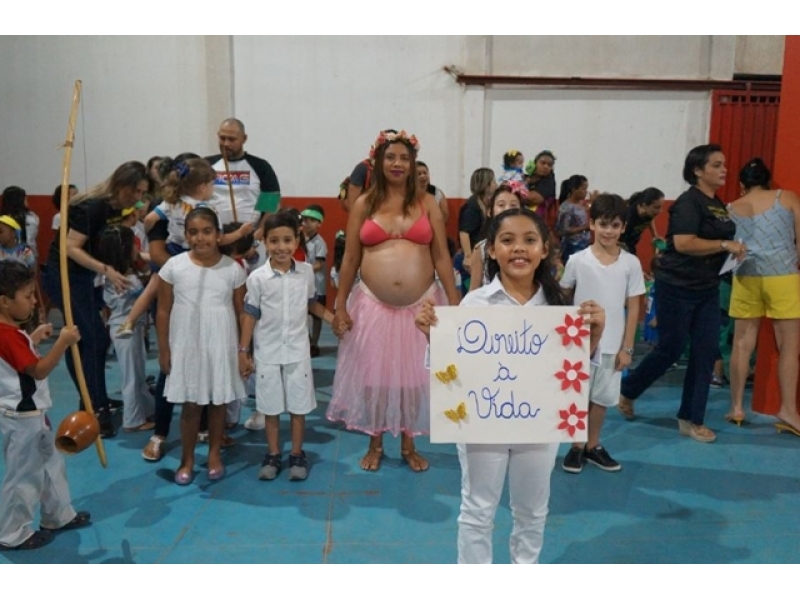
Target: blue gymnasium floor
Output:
{"points": [[675, 501]]}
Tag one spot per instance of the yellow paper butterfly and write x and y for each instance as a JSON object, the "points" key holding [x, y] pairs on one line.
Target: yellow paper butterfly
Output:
{"points": [[458, 414], [448, 375]]}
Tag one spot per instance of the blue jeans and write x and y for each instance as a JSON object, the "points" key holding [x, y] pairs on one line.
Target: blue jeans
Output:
{"points": [[682, 314], [94, 337]]}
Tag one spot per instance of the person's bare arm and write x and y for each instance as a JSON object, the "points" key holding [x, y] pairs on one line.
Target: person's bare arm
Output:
{"points": [[439, 253]]}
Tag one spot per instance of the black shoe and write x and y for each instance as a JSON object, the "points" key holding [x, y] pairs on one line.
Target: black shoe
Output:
{"points": [[573, 461], [115, 405], [37, 540], [106, 425], [298, 467], [601, 458], [270, 467]]}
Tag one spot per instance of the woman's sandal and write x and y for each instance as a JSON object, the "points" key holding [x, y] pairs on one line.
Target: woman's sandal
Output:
{"points": [[372, 459], [415, 461], [782, 426], [737, 419], [625, 407]]}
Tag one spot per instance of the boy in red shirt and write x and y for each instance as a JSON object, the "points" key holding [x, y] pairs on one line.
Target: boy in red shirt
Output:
{"points": [[35, 472]]}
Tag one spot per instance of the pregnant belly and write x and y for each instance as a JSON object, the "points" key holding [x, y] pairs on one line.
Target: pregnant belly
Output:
{"points": [[398, 272]]}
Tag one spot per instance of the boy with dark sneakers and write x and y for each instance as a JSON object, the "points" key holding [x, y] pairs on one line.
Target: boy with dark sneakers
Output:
{"points": [[606, 273], [35, 473]]}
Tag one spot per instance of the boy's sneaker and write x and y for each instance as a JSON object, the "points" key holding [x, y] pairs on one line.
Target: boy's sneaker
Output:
{"points": [[255, 422], [270, 467], [600, 457], [573, 461], [298, 467]]}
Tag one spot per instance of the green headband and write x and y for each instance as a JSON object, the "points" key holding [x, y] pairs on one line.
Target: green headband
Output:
{"points": [[312, 214]]}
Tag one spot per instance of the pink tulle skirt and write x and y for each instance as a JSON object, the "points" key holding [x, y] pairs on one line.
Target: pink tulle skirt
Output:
{"points": [[381, 383]]}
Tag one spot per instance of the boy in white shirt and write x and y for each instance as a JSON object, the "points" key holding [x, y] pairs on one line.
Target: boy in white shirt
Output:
{"points": [[279, 297], [611, 276], [316, 256]]}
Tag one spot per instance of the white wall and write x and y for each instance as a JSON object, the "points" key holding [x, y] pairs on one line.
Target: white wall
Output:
{"points": [[141, 96], [313, 105], [622, 141]]}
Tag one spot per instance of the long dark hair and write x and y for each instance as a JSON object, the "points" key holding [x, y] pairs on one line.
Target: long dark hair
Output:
{"points": [[377, 191], [544, 273], [570, 185], [57, 195], [116, 247], [646, 197]]}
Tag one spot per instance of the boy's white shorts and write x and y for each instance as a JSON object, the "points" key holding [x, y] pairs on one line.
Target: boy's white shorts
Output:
{"points": [[605, 383], [285, 388]]}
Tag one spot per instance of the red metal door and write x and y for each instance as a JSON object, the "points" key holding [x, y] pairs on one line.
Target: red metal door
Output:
{"points": [[745, 124]]}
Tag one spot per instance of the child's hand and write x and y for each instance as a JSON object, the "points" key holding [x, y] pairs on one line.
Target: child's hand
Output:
{"points": [[164, 361], [42, 332], [595, 316], [342, 323], [69, 335], [245, 365], [426, 318], [623, 361], [246, 229]]}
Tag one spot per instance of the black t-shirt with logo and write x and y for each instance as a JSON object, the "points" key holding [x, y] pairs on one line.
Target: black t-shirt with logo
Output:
{"points": [[88, 218], [694, 213], [634, 226]]}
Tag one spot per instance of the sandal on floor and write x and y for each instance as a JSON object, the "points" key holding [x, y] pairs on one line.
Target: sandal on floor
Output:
{"points": [[625, 407], [82, 519], [37, 540], [146, 426], [782, 426], [415, 461], [372, 459], [737, 419]]}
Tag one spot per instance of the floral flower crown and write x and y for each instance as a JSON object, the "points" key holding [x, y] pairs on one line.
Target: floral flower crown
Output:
{"points": [[385, 137]]}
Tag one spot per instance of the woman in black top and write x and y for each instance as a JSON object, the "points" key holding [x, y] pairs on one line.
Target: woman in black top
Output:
{"points": [[687, 291], [89, 214], [473, 213], [643, 208]]}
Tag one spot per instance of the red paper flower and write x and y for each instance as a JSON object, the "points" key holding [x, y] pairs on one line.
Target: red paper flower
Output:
{"points": [[572, 375], [572, 419], [572, 331]]}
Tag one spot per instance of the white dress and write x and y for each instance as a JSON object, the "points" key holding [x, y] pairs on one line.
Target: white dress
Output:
{"points": [[203, 337]]}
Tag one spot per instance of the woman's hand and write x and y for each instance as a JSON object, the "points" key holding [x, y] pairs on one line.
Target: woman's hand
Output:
{"points": [[342, 323], [426, 318], [737, 249], [117, 279], [165, 361]]}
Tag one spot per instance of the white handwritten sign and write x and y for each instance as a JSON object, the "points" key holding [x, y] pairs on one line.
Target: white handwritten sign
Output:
{"points": [[507, 374]]}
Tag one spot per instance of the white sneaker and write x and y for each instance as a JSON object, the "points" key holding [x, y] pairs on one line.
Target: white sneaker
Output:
{"points": [[255, 422]]}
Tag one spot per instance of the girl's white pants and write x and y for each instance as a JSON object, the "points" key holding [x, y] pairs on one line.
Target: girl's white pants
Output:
{"points": [[483, 474], [132, 357]]}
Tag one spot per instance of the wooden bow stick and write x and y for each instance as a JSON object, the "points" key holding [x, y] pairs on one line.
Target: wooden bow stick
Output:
{"points": [[230, 182], [63, 260]]}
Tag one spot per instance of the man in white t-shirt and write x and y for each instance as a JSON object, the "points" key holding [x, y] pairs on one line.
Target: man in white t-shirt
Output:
{"points": [[612, 277], [256, 191]]}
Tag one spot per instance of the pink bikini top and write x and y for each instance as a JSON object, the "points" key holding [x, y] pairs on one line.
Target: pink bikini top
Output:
{"points": [[420, 232]]}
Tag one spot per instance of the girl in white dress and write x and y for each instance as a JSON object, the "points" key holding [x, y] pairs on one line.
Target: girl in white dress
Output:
{"points": [[200, 298]]}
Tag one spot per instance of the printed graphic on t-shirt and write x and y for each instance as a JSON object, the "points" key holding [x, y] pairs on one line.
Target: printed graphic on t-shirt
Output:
{"points": [[237, 178]]}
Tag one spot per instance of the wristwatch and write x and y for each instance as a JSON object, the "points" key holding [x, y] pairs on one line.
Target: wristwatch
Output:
{"points": [[628, 351]]}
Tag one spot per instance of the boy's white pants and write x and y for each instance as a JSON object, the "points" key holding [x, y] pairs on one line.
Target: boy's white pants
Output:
{"points": [[483, 468], [35, 474], [138, 402]]}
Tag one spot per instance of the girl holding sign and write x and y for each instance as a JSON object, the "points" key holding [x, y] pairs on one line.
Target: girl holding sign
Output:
{"points": [[521, 275]]}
